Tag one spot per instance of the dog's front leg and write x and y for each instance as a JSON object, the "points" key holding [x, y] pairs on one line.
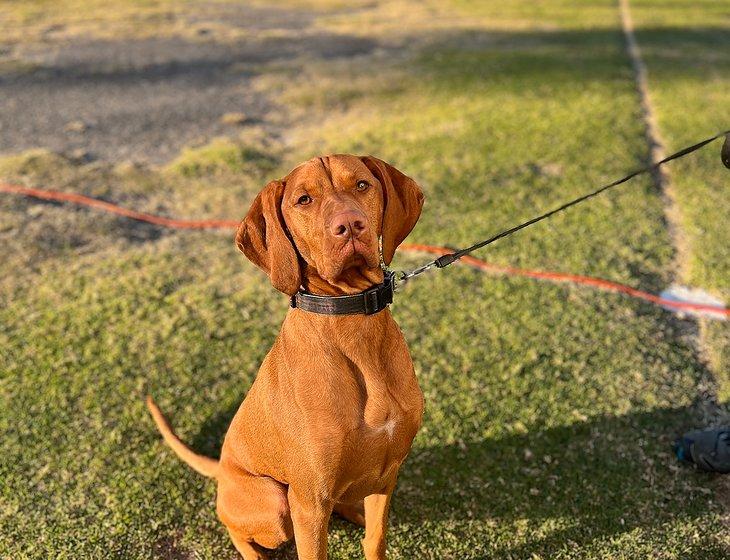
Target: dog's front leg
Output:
{"points": [[376, 523], [310, 517]]}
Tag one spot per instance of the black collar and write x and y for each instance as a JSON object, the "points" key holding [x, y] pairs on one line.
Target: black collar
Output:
{"points": [[369, 302]]}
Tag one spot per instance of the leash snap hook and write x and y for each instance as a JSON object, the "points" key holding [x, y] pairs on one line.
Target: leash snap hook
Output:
{"points": [[399, 278]]}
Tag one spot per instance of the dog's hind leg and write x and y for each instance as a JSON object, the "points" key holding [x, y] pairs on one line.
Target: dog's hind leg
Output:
{"points": [[354, 513], [249, 550], [246, 548], [255, 510]]}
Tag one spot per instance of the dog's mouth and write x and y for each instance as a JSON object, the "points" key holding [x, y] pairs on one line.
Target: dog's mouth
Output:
{"points": [[357, 252], [354, 253]]}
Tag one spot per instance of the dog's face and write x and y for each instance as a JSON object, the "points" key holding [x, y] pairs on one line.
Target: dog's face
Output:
{"points": [[321, 224]]}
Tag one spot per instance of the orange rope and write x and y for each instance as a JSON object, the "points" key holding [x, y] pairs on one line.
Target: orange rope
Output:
{"points": [[114, 209], [599, 283], [472, 261]]}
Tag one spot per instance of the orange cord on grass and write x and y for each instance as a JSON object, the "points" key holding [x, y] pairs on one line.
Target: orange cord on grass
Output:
{"points": [[82, 200], [598, 283]]}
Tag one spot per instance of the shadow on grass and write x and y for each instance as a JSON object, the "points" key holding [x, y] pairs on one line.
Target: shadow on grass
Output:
{"points": [[209, 439], [125, 63], [599, 478], [571, 57], [605, 476]]}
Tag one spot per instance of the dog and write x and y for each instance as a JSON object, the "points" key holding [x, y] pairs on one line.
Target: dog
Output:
{"points": [[335, 406]]}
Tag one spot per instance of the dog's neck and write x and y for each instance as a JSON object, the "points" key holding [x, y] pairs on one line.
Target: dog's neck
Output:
{"points": [[351, 281]]}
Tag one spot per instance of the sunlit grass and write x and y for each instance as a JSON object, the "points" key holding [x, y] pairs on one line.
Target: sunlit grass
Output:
{"points": [[550, 408]]}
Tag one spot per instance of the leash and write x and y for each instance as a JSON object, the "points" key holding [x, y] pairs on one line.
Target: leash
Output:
{"points": [[445, 260], [577, 279]]}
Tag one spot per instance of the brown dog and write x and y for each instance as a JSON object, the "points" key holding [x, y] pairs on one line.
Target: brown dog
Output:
{"points": [[335, 406]]}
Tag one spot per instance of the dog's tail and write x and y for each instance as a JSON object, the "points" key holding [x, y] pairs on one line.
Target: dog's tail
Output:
{"points": [[204, 465]]}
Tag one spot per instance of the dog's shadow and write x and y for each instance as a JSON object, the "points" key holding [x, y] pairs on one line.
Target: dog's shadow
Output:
{"points": [[209, 438], [594, 479], [561, 487]]}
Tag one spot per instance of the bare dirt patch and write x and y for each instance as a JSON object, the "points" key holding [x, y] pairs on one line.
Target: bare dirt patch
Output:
{"points": [[144, 99]]}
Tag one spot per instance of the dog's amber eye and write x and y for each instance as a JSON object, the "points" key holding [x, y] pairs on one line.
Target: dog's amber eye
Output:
{"points": [[304, 199], [362, 185]]}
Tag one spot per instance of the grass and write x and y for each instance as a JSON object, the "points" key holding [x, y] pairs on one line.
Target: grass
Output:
{"points": [[221, 156], [701, 185], [550, 409], [47, 19]]}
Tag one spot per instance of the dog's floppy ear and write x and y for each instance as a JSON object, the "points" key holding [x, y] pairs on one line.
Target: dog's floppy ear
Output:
{"points": [[403, 201], [262, 237]]}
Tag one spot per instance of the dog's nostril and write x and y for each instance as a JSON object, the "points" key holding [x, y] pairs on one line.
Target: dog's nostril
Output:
{"points": [[348, 224]]}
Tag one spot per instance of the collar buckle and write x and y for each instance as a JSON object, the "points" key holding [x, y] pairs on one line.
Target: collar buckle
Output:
{"points": [[379, 297]]}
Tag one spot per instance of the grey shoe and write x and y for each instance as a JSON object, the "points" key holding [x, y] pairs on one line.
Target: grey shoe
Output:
{"points": [[708, 449]]}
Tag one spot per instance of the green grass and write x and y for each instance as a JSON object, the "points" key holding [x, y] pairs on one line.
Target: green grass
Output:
{"points": [[221, 156], [549, 408], [690, 105]]}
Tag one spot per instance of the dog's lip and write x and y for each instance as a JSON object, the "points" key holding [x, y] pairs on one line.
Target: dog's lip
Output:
{"points": [[353, 247], [354, 252], [348, 256]]}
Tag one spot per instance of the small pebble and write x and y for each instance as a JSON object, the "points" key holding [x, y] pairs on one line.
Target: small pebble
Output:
{"points": [[76, 126], [234, 118]]}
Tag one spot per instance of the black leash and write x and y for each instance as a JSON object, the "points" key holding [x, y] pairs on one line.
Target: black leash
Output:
{"points": [[378, 297], [445, 260]]}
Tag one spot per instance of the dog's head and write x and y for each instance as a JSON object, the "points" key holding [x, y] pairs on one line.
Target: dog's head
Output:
{"points": [[319, 227]]}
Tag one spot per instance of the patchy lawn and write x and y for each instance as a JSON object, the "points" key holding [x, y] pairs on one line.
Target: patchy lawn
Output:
{"points": [[550, 408]]}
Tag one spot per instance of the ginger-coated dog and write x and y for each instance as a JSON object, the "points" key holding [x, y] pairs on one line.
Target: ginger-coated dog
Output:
{"points": [[335, 406]]}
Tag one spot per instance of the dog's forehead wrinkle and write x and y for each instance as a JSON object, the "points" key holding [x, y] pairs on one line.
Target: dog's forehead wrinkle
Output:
{"points": [[325, 163], [310, 177], [334, 172]]}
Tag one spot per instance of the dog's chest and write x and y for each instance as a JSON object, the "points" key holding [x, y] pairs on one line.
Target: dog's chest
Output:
{"points": [[388, 422], [391, 402], [387, 427], [359, 403]]}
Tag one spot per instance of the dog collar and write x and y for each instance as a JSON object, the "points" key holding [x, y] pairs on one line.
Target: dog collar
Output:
{"points": [[369, 302]]}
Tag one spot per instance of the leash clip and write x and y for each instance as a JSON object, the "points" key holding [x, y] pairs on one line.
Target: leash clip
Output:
{"points": [[400, 277]]}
